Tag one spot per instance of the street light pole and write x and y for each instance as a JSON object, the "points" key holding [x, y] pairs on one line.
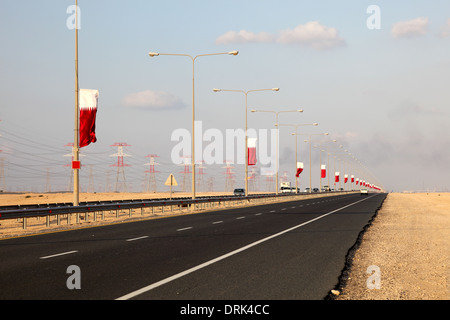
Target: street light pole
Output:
{"points": [[76, 150], [276, 124], [155, 54], [296, 133], [245, 132], [310, 165]]}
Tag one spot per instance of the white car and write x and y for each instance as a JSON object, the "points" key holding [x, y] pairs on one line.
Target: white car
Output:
{"points": [[364, 192]]}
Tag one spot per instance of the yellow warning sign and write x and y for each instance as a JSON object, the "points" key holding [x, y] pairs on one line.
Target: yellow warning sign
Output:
{"points": [[171, 181]]}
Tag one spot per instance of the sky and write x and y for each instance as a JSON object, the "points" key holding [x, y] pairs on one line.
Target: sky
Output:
{"points": [[373, 74]]}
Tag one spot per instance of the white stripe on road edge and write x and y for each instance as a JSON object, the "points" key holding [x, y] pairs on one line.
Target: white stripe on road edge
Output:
{"points": [[182, 229], [58, 254], [143, 237], [217, 222], [240, 218], [203, 265]]}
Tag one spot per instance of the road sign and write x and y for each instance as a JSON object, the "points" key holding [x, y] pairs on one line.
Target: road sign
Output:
{"points": [[171, 181]]}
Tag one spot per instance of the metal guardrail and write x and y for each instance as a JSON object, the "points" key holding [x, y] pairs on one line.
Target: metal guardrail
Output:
{"points": [[64, 209]]}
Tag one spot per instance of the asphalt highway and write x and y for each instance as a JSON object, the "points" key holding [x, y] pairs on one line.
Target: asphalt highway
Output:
{"points": [[283, 251]]}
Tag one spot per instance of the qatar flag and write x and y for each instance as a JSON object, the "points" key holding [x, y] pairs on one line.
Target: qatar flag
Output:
{"points": [[336, 177], [299, 168], [251, 151], [88, 112], [345, 178], [353, 179], [323, 171], [357, 181]]}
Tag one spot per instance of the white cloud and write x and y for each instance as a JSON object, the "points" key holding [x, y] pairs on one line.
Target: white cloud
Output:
{"points": [[445, 32], [157, 100], [312, 34], [244, 36], [411, 28]]}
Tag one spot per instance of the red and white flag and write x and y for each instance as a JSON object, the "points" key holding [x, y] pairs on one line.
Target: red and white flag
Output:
{"points": [[299, 168], [353, 179], [336, 177], [357, 181], [345, 178], [251, 151], [323, 171], [88, 112]]}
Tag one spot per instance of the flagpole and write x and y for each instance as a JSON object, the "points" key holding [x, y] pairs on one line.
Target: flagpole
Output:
{"points": [[76, 182]]}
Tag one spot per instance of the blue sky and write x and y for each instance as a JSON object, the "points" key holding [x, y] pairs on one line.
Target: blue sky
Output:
{"points": [[382, 94]]}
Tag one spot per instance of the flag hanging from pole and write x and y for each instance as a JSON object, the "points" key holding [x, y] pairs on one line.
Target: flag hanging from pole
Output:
{"points": [[299, 169], [251, 151], [345, 178], [353, 179], [88, 113], [336, 177], [323, 171]]}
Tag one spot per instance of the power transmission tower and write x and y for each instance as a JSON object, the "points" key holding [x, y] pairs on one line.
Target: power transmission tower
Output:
{"points": [[211, 184], [151, 182], [121, 183], [229, 179], [269, 181], [252, 180], [200, 181], [186, 173]]}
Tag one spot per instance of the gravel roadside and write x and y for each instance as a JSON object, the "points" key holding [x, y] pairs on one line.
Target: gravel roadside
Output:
{"points": [[404, 254]]}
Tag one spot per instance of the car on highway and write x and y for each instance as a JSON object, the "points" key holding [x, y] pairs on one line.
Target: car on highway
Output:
{"points": [[239, 192], [364, 192], [315, 189]]}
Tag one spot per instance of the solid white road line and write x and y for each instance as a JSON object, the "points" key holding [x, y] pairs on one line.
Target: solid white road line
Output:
{"points": [[216, 222], [139, 238], [182, 229], [58, 254], [240, 218], [210, 262]]}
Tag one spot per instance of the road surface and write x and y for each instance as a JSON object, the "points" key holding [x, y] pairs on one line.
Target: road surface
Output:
{"points": [[280, 251]]}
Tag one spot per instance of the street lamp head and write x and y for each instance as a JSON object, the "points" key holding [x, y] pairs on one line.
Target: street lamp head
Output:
{"points": [[315, 124], [300, 110], [153, 54], [326, 134], [216, 90], [234, 53], [276, 89], [253, 110]]}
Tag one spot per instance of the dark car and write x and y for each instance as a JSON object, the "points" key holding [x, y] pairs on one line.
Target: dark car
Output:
{"points": [[239, 192]]}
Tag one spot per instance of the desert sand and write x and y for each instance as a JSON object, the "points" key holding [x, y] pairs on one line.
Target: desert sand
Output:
{"points": [[405, 252]]}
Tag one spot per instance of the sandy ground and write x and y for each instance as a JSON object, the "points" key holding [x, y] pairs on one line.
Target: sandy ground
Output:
{"points": [[403, 255], [405, 252]]}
